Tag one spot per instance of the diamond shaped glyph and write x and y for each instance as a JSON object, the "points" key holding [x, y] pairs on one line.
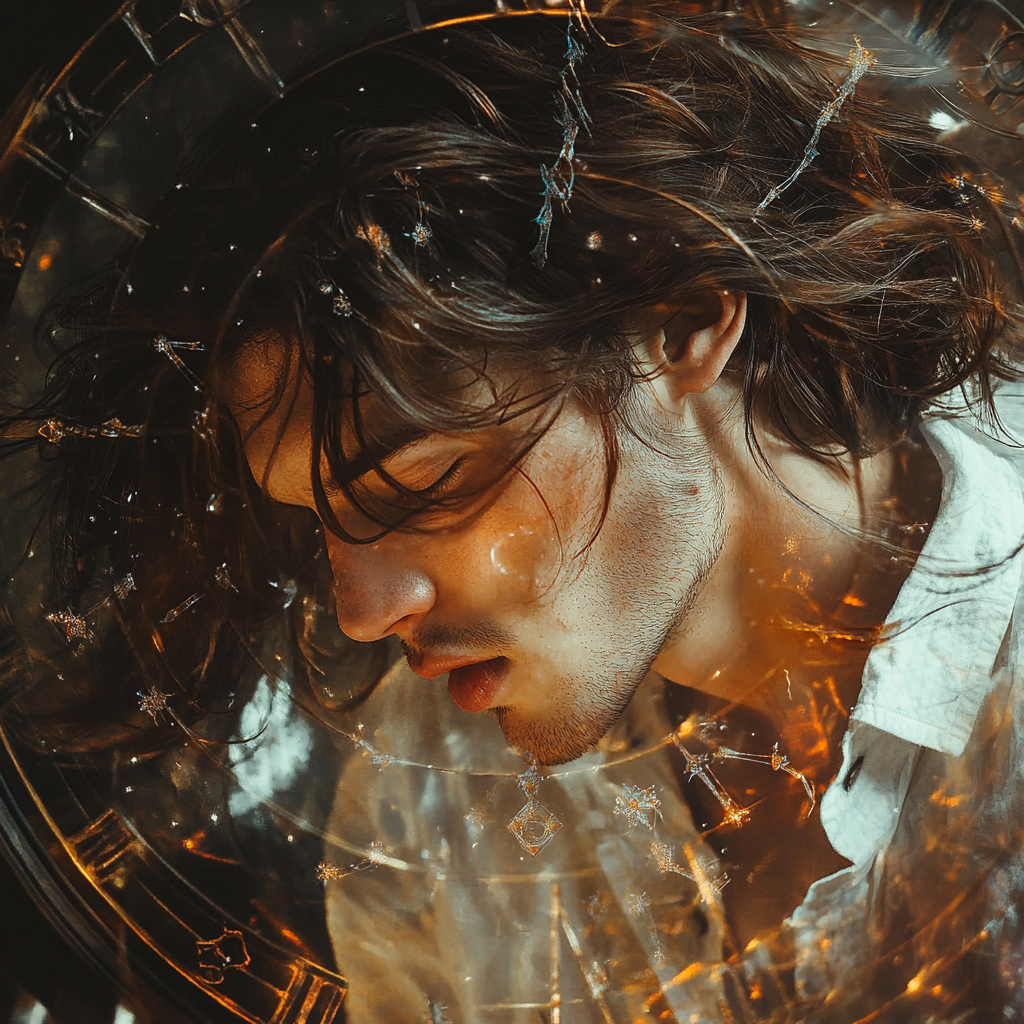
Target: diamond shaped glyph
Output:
{"points": [[534, 827]]}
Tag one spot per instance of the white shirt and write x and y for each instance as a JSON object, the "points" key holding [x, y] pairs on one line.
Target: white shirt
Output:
{"points": [[919, 787]]}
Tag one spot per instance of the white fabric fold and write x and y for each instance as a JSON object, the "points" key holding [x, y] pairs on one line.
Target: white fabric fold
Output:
{"points": [[926, 680]]}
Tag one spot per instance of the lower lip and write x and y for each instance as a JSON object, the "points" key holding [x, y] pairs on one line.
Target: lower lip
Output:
{"points": [[475, 687]]}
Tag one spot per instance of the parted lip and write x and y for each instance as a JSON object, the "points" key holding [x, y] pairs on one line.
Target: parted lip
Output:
{"points": [[432, 666]]}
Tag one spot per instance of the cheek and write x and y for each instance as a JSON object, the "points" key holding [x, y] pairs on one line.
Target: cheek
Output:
{"points": [[526, 556], [545, 520], [518, 546], [515, 553]]}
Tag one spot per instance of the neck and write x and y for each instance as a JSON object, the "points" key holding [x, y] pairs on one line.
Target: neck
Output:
{"points": [[777, 639], [806, 578]]}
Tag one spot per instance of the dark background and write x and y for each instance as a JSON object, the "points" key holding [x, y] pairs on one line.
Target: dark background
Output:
{"points": [[41, 36], [37, 38]]}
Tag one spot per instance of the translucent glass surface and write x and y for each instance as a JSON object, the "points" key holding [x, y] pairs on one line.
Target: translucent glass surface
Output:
{"points": [[319, 834]]}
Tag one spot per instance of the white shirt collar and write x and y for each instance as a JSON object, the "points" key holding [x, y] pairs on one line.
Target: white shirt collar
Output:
{"points": [[926, 681]]}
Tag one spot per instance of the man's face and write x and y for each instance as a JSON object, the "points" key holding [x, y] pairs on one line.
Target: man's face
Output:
{"points": [[532, 615]]}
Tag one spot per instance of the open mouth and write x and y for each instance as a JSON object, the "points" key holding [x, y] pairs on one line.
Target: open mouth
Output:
{"points": [[477, 687]]}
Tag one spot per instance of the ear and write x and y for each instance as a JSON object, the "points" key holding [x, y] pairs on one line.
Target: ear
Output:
{"points": [[689, 351]]}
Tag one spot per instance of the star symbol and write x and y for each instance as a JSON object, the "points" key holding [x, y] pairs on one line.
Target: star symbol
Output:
{"points": [[153, 703], [638, 806]]}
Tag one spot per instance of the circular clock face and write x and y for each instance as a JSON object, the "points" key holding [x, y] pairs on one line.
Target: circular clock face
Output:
{"points": [[227, 807]]}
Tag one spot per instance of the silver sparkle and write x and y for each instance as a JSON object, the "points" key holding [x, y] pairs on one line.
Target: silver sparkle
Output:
{"points": [[330, 873]]}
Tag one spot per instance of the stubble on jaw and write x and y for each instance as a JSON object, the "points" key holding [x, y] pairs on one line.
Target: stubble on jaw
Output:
{"points": [[585, 713], [586, 710]]}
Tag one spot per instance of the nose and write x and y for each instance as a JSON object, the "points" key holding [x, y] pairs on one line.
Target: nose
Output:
{"points": [[376, 595]]}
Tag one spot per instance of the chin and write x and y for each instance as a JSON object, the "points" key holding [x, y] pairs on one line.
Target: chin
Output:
{"points": [[558, 739]]}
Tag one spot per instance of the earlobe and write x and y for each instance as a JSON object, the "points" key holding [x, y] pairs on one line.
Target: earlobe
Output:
{"points": [[695, 344]]}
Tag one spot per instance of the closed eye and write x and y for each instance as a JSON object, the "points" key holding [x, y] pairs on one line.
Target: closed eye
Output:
{"points": [[444, 483]]}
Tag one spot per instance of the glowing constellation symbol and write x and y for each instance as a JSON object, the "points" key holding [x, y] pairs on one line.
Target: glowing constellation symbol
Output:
{"points": [[709, 885], [329, 873], [776, 761], [534, 826], [222, 577], [662, 853], [698, 766], [164, 345], [560, 179], [421, 232], [638, 806], [180, 609], [860, 61]]}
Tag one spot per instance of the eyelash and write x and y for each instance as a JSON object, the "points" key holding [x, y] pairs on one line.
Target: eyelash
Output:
{"points": [[445, 482]]}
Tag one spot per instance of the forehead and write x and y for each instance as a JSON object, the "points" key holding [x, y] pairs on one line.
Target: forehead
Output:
{"points": [[270, 391]]}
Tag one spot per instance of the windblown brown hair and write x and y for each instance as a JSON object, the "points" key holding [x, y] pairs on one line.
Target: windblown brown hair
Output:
{"points": [[877, 282]]}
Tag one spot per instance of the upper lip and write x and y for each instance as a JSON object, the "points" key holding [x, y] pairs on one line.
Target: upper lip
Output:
{"points": [[432, 666]]}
